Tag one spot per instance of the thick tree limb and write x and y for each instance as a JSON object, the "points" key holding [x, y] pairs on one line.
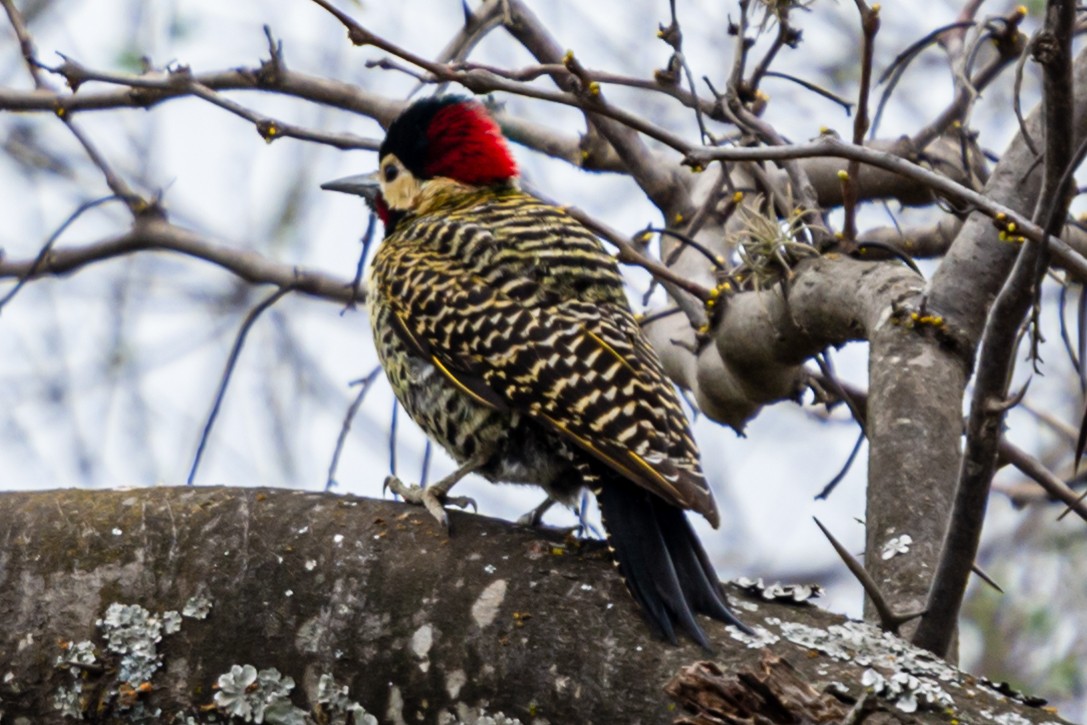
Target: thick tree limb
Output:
{"points": [[420, 626], [761, 339]]}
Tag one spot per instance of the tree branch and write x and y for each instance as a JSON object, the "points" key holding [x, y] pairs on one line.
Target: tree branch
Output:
{"points": [[1000, 344]]}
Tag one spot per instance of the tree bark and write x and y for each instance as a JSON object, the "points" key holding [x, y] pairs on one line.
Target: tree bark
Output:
{"points": [[420, 625]]}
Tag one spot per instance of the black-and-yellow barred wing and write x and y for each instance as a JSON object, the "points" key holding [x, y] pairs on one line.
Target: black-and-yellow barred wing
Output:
{"points": [[572, 362]]}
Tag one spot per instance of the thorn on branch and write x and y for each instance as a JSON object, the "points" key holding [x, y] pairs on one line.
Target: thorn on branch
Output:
{"points": [[1003, 406], [889, 619], [984, 576]]}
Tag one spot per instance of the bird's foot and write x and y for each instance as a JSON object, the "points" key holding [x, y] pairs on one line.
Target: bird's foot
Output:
{"points": [[534, 519], [434, 498]]}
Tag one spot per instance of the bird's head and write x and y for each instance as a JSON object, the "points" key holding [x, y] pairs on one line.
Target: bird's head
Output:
{"points": [[440, 138]]}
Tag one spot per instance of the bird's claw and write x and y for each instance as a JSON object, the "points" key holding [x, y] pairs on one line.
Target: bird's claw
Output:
{"points": [[433, 498], [534, 518]]}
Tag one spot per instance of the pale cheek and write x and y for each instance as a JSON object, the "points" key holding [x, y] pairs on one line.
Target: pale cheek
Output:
{"points": [[402, 193]]}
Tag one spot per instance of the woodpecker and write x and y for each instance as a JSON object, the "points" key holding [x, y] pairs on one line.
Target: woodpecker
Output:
{"points": [[505, 332]]}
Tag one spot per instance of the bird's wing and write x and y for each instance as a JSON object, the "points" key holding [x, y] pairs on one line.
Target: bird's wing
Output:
{"points": [[579, 366]]}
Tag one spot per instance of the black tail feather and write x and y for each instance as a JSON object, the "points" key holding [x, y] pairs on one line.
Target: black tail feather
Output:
{"points": [[662, 561]]}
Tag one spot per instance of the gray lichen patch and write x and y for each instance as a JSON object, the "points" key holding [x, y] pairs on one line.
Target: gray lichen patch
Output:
{"points": [[133, 633], [778, 592], [258, 696], [115, 680], [197, 607], [907, 676], [485, 608]]}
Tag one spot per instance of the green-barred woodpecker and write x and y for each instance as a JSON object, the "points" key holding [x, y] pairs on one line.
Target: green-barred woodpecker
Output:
{"points": [[505, 332]]}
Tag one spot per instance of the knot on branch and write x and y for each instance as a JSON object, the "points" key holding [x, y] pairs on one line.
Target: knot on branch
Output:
{"points": [[1046, 48]]}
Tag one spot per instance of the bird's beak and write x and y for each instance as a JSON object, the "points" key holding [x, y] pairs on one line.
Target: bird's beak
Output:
{"points": [[367, 186]]}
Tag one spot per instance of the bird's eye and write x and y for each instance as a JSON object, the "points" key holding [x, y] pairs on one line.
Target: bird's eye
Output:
{"points": [[391, 172]]}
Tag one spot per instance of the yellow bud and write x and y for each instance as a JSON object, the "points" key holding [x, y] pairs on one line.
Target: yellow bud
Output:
{"points": [[60, 111], [697, 168], [678, 218], [737, 197], [1021, 11], [843, 175], [568, 57], [594, 89]]}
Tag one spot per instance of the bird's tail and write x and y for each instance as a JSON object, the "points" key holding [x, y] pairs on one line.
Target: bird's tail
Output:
{"points": [[661, 560]]}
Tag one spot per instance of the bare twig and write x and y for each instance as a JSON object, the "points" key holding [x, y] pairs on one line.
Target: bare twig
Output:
{"points": [[26, 43], [38, 262], [1009, 44], [851, 179], [833, 483], [1037, 472], [894, 72], [628, 254], [156, 234], [232, 360], [830, 146], [136, 203], [364, 387], [394, 419], [366, 241]]}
